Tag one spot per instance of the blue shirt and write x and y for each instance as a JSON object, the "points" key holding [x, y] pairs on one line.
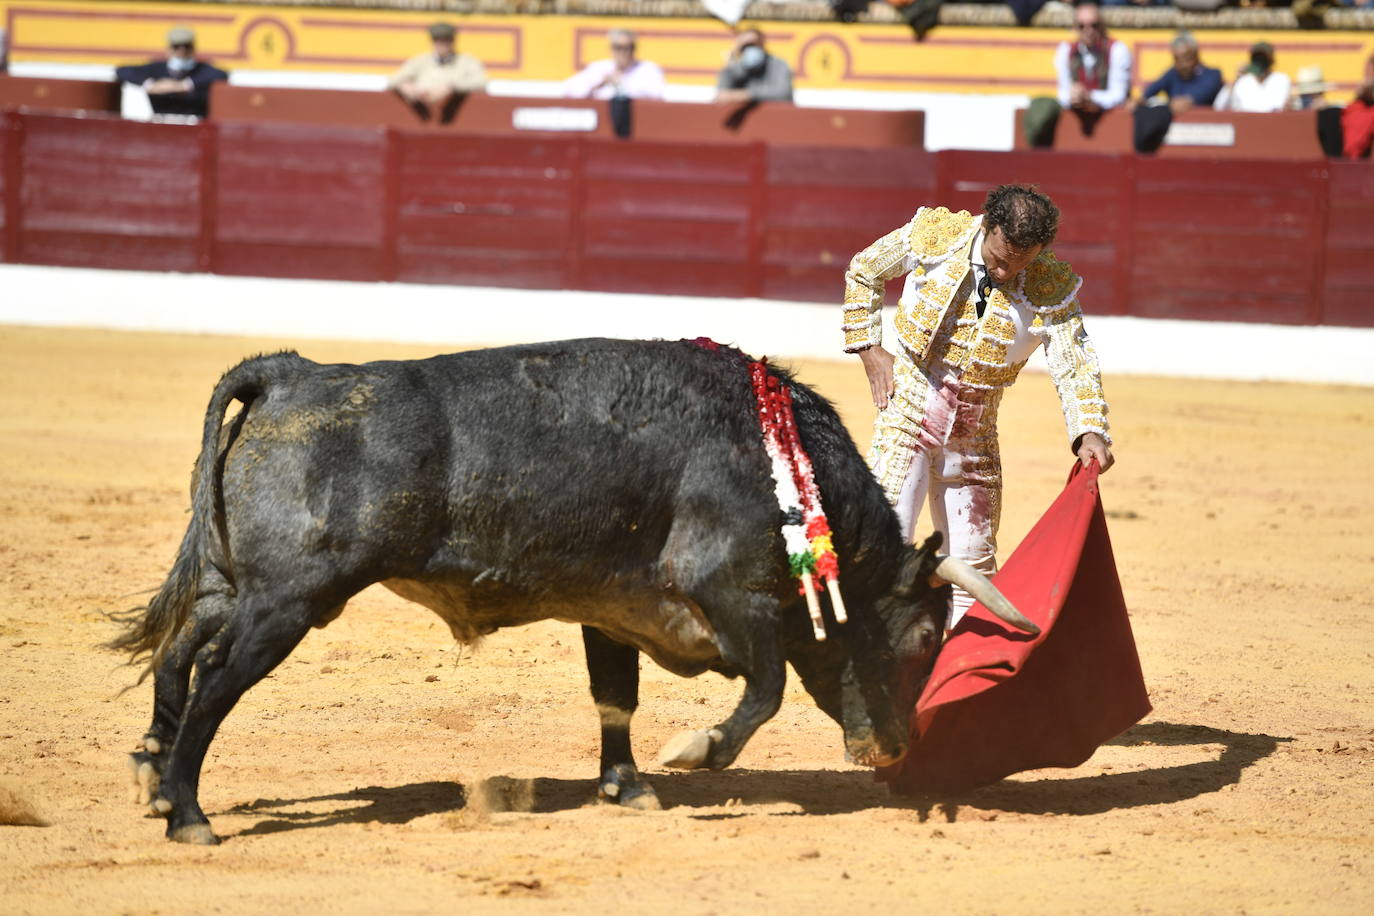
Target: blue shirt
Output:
{"points": [[1202, 88]]}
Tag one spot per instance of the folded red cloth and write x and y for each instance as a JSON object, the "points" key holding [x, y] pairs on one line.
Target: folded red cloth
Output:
{"points": [[1000, 701]]}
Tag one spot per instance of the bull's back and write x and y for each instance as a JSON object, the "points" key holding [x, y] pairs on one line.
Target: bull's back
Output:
{"points": [[573, 458]]}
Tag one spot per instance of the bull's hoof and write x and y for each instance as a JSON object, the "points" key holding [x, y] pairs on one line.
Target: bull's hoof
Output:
{"points": [[621, 785], [144, 777], [689, 750], [193, 834]]}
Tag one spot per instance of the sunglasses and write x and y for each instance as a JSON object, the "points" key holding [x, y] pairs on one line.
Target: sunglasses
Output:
{"points": [[622, 47], [184, 46], [1089, 25]]}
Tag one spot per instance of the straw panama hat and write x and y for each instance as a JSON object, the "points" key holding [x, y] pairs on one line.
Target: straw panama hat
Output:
{"points": [[1310, 81]]}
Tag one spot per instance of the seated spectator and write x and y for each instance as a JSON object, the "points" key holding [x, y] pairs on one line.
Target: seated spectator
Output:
{"points": [[1094, 75], [440, 79], [621, 75], [179, 85], [752, 74], [1094, 70], [1309, 90], [1188, 82], [1258, 87], [1357, 120]]}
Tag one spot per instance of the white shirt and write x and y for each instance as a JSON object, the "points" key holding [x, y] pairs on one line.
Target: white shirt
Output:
{"points": [[1249, 93], [644, 80], [1118, 73]]}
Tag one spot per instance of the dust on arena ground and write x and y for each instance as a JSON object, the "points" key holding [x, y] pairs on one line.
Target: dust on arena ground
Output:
{"points": [[380, 767]]}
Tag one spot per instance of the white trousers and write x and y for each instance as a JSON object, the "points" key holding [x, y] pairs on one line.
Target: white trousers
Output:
{"points": [[937, 442]]}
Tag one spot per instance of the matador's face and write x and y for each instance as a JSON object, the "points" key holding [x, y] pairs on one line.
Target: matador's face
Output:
{"points": [[1003, 259]]}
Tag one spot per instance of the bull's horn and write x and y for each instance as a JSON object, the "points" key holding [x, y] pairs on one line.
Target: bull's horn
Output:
{"points": [[957, 572]]}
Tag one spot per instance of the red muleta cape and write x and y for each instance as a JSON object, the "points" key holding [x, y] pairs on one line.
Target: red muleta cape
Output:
{"points": [[1000, 701]]}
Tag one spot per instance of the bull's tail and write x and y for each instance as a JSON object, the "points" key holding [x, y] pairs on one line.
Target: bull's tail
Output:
{"points": [[148, 630]]}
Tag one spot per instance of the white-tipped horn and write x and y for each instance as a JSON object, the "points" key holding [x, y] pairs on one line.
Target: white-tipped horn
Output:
{"points": [[956, 572]]}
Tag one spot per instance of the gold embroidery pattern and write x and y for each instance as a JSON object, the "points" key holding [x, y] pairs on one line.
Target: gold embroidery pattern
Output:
{"points": [[894, 428], [1048, 281], [935, 231], [1074, 369], [864, 283]]}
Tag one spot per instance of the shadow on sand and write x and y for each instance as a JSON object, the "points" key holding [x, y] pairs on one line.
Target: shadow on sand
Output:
{"points": [[813, 791]]}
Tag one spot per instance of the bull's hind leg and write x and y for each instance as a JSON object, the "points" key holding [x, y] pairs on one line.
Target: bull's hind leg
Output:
{"points": [[171, 680], [613, 669], [751, 645], [260, 632]]}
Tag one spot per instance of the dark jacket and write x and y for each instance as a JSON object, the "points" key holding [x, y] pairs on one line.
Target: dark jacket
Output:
{"points": [[196, 102], [1202, 88]]}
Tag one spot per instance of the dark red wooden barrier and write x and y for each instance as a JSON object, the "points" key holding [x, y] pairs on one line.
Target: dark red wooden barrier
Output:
{"points": [[824, 205], [10, 126], [777, 124], [1228, 241], [671, 216], [300, 201], [59, 94], [1286, 242], [101, 192], [493, 211], [1252, 135], [1347, 286]]}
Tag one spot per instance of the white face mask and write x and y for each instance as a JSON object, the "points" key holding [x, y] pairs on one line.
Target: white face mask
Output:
{"points": [[752, 57], [180, 64]]}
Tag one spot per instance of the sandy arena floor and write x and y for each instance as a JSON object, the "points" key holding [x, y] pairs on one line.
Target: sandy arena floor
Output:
{"points": [[381, 770]]}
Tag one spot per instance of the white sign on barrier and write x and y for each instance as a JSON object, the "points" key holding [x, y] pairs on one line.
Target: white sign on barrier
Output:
{"points": [[1200, 134], [554, 119]]}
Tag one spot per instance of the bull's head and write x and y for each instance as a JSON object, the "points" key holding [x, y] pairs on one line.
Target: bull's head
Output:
{"points": [[869, 675]]}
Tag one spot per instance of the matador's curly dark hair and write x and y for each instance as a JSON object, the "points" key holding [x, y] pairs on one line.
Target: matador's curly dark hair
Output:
{"points": [[1026, 217]]}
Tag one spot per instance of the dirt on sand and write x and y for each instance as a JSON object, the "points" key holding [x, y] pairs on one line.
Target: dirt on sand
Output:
{"points": [[383, 769]]}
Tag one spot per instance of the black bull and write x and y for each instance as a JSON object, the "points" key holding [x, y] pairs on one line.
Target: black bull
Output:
{"points": [[619, 485]]}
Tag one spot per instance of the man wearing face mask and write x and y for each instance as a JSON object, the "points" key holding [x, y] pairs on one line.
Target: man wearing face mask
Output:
{"points": [[752, 74], [982, 293], [179, 85], [1259, 87]]}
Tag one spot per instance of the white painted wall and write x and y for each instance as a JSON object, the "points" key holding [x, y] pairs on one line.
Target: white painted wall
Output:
{"points": [[456, 315]]}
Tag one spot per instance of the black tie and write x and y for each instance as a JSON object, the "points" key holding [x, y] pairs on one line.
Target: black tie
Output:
{"points": [[984, 290]]}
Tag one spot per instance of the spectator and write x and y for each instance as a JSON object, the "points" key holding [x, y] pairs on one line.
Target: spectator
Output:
{"points": [[621, 75], [1309, 90], [440, 79], [1188, 82], [4, 53], [1258, 87], [1094, 71], [1094, 75], [752, 74], [179, 85], [1357, 120]]}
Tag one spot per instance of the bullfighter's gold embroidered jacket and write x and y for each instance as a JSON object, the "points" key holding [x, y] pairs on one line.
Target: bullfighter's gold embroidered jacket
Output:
{"points": [[937, 321]]}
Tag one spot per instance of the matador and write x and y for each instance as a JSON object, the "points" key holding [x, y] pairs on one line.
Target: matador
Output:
{"points": [[981, 294]]}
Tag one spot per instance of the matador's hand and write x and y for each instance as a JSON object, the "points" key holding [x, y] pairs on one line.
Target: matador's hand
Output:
{"points": [[1094, 446], [878, 365]]}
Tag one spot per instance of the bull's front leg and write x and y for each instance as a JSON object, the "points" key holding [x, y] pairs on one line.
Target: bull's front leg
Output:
{"points": [[759, 655], [613, 669]]}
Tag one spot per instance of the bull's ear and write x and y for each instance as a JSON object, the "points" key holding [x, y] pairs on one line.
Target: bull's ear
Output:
{"points": [[917, 565], [929, 553]]}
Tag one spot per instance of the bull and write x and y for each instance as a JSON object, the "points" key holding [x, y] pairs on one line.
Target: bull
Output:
{"points": [[619, 485]]}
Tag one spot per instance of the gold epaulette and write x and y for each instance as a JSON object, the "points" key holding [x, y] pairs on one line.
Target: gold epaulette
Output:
{"points": [[936, 231], [1049, 281]]}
